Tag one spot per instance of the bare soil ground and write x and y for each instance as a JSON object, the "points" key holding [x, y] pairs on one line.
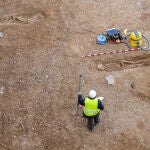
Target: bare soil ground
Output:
{"points": [[39, 68]]}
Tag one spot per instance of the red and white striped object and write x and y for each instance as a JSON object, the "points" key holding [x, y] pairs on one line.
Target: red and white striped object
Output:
{"points": [[112, 52]]}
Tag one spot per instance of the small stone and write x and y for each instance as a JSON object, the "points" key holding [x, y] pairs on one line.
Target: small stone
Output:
{"points": [[1, 34], [100, 67], [2, 90], [133, 85], [110, 80]]}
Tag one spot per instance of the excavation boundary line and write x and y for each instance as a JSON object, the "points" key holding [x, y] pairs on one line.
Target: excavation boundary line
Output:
{"points": [[112, 52]]}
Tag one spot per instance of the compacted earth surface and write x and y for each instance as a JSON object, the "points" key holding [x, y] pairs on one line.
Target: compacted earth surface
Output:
{"points": [[40, 64]]}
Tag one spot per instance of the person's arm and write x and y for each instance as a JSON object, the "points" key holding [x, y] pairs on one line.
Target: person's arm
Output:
{"points": [[100, 105], [80, 99]]}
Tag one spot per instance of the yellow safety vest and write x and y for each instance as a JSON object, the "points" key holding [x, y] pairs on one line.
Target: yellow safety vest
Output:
{"points": [[91, 107]]}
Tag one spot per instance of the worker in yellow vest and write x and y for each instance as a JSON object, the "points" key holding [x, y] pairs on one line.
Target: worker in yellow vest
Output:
{"points": [[92, 107]]}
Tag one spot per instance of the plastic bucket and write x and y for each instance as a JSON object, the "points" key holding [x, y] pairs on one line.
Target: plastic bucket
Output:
{"points": [[101, 39]]}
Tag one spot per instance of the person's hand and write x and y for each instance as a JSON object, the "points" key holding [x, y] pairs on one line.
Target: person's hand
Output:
{"points": [[101, 98]]}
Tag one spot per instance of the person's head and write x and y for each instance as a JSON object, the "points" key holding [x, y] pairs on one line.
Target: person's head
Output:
{"points": [[92, 94]]}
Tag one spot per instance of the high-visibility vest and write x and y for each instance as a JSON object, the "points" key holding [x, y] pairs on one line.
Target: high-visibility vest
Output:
{"points": [[91, 107]]}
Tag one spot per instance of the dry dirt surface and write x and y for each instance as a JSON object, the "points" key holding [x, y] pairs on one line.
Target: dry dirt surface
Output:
{"points": [[40, 64]]}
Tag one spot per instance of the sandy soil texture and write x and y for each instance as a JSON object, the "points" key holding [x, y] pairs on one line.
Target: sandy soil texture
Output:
{"points": [[40, 64]]}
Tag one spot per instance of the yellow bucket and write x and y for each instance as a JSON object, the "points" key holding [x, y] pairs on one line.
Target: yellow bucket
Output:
{"points": [[135, 38]]}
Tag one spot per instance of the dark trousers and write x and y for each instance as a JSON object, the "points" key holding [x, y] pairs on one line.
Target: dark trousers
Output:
{"points": [[92, 120]]}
